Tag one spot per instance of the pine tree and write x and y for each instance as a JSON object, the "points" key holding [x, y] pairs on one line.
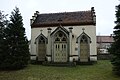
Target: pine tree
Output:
{"points": [[3, 23], [17, 49], [115, 47]]}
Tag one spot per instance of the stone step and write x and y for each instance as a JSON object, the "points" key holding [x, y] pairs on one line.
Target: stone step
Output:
{"points": [[84, 63], [60, 64]]}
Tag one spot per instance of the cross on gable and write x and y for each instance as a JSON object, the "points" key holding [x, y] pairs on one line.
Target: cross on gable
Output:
{"points": [[41, 30], [83, 29]]}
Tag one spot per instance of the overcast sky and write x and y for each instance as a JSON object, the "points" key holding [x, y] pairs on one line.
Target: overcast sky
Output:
{"points": [[105, 11]]}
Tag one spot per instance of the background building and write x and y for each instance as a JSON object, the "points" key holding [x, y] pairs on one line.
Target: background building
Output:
{"points": [[103, 43]]}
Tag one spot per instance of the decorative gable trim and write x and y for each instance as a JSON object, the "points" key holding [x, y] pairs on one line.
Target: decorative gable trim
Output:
{"points": [[60, 28], [80, 36], [46, 40]]}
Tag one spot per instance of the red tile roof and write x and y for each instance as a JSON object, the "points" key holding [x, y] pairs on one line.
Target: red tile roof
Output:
{"points": [[66, 18], [105, 39]]}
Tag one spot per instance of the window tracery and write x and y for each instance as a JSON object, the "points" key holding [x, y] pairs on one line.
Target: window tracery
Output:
{"points": [[84, 39], [41, 40], [60, 37]]}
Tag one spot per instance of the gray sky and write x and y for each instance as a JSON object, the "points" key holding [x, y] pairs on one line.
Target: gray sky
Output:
{"points": [[105, 11]]}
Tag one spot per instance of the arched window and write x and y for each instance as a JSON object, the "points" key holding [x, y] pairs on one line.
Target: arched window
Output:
{"points": [[60, 37], [84, 39], [41, 40]]}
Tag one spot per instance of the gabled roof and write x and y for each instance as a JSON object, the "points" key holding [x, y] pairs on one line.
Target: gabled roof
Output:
{"points": [[39, 37], [83, 33], [65, 18], [60, 28], [105, 39]]}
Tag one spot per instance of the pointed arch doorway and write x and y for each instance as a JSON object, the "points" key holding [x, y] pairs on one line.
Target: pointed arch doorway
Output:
{"points": [[84, 47], [60, 47], [41, 42]]}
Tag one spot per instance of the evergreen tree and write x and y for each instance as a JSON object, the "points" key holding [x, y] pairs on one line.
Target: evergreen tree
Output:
{"points": [[3, 23], [115, 47], [17, 49]]}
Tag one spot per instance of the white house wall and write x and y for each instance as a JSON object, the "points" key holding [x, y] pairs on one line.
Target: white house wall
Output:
{"points": [[90, 30]]}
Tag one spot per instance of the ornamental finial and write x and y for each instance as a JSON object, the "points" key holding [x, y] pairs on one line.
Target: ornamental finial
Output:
{"points": [[41, 30], [83, 29]]}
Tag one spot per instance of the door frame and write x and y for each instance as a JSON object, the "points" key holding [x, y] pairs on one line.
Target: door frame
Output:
{"points": [[78, 41], [66, 33], [37, 44], [62, 50]]}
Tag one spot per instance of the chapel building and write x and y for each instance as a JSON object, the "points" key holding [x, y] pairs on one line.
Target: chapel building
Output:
{"points": [[64, 37]]}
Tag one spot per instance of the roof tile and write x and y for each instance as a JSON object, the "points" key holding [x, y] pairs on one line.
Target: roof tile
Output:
{"points": [[80, 17]]}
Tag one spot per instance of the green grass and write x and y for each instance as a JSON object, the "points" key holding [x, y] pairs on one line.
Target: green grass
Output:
{"points": [[100, 71]]}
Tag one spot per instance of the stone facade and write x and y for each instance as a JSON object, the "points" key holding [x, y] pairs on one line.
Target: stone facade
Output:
{"points": [[64, 37]]}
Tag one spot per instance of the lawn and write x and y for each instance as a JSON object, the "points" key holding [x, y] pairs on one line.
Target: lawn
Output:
{"points": [[100, 71]]}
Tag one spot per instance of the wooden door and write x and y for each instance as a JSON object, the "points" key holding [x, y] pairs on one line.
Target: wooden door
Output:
{"points": [[60, 47], [84, 49], [41, 49], [84, 52], [41, 52], [60, 52]]}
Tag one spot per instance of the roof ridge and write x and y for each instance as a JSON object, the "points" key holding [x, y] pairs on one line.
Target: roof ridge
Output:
{"points": [[65, 12], [104, 36]]}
